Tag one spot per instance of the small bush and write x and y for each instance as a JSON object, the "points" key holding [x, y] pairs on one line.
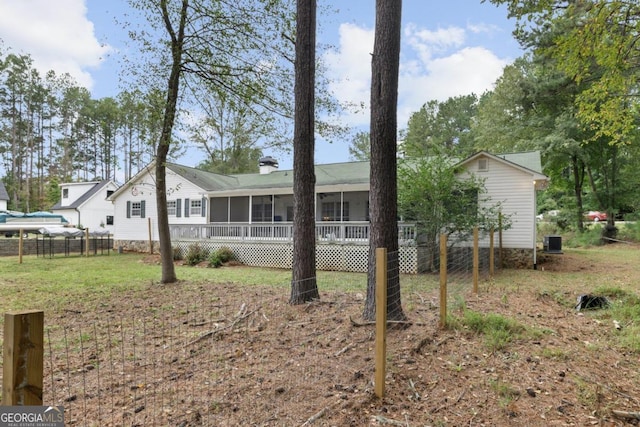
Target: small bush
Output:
{"points": [[219, 257], [177, 253], [225, 254], [195, 254]]}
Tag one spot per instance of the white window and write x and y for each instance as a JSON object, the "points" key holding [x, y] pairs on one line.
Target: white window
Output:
{"points": [[136, 209], [196, 207], [171, 207]]}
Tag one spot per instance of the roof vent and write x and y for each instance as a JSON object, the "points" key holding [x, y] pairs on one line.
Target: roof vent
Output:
{"points": [[267, 165]]}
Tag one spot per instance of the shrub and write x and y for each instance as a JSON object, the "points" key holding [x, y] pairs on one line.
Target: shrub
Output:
{"points": [[225, 254], [177, 253], [214, 260], [195, 254], [219, 257]]}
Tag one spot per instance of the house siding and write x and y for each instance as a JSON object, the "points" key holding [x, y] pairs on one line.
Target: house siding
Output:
{"points": [[143, 190], [515, 191], [94, 211]]}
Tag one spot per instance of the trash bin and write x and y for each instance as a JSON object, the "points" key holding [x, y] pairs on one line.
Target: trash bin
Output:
{"points": [[552, 244]]}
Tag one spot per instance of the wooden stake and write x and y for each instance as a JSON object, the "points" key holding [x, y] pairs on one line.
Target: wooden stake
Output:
{"points": [[150, 237], [86, 238], [381, 320], [476, 260], [491, 255], [20, 247], [443, 280], [23, 356]]}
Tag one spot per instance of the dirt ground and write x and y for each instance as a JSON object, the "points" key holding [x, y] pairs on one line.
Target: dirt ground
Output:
{"points": [[266, 363]]}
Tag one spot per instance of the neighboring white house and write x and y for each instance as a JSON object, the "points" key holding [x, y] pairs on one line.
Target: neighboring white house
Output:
{"points": [[4, 197], [256, 210], [85, 204]]}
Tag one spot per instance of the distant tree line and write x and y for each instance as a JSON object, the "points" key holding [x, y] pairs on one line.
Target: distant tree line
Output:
{"points": [[53, 131]]}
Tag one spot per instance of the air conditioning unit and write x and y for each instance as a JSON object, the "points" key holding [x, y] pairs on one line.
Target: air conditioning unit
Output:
{"points": [[552, 244]]}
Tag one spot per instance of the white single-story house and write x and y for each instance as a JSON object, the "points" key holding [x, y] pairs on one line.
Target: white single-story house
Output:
{"points": [[4, 197], [86, 204], [253, 213]]}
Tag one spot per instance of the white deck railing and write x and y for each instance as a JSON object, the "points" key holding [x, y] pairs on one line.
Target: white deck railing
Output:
{"points": [[338, 232]]}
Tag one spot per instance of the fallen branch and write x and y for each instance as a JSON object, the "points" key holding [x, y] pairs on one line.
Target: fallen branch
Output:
{"points": [[312, 419], [626, 415], [384, 420], [344, 350], [389, 322], [241, 315]]}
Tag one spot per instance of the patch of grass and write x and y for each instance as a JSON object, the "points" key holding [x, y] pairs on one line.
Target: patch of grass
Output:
{"points": [[505, 391], [498, 331], [554, 353]]}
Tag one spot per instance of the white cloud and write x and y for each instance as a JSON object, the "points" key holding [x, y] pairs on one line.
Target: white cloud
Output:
{"points": [[56, 34], [435, 65]]}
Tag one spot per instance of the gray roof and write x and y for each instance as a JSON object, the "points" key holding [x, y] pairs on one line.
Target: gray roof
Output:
{"points": [[327, 174], [86, 196], [530, 160], [3, 192]]}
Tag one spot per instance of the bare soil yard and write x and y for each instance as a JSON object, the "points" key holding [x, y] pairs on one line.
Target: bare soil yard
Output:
{"points": [[261, 362]]}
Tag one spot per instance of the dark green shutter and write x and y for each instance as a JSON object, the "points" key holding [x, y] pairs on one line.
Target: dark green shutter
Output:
{"points": [[142, 209], [179, 208], [204, 206], [128, 209], [187, 207]]}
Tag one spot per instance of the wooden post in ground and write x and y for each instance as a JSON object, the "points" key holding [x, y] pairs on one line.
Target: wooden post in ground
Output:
{"points": [[20, 247], [381, 321], [443, 280], [86, 239], [476, 259], [23, 356], [500, 254], [150, 237], [491, 255]]}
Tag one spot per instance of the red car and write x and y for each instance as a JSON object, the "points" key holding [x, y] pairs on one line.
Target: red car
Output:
{"points": [[596, 216]]}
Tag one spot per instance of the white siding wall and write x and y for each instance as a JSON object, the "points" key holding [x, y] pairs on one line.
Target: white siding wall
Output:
{"points": [[137, 228], [515, 190], [75, 191], [95, 210], [3, 205], [70, 215]]}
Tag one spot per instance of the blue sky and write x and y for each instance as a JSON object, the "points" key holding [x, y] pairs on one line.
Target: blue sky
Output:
{"points": [[449, 48]]}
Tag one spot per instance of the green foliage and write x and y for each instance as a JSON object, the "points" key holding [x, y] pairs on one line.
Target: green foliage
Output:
{"points": [[195, 254], [219, 257], [498, 331], [440, 200], [360, 147], [177, 253], [629, 232], [442, 127]]}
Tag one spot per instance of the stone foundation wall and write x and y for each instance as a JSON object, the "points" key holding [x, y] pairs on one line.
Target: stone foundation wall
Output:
{"points": [[516, 258]]}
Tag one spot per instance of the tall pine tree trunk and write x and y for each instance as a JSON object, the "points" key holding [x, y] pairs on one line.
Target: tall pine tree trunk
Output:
{"points": [[383, 193], [303, 283]]}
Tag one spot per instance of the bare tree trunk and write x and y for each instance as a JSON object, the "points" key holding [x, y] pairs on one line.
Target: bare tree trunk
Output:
{"points": [[303, 283], [383, 194], [177, 41]]}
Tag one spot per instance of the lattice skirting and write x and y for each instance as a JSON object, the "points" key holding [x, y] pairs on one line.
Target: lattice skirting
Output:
{"points": [[330, 257]]}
